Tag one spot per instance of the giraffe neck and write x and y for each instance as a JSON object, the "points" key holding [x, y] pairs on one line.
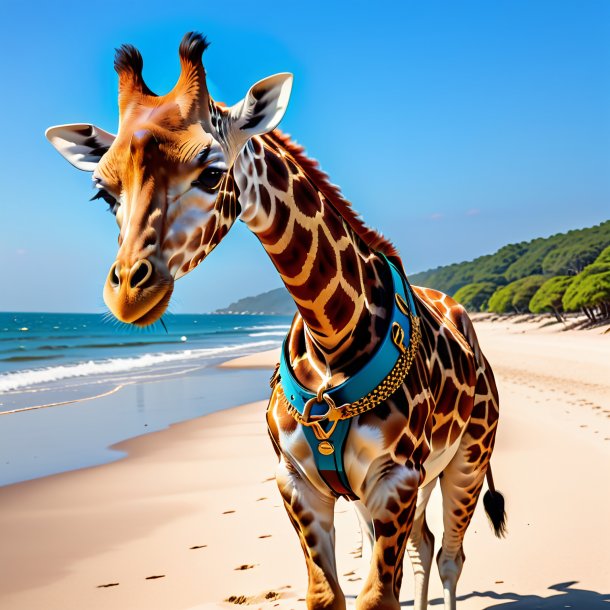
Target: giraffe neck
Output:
{"points": [[334, 276]]}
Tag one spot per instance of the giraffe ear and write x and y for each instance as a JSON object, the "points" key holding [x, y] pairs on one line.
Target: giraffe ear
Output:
{"points": [[263, 107], [81, 144]]}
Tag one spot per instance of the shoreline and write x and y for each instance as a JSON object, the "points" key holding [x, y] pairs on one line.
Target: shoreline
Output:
{"points": [[39, 441], [572, 322], [191, 517]]}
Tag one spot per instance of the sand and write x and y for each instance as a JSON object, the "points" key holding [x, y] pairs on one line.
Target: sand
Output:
{"points": [[191, 517]]}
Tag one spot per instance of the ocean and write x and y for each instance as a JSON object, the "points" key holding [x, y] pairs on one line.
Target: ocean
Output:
{"points": [[71, 385], [38, 350]]}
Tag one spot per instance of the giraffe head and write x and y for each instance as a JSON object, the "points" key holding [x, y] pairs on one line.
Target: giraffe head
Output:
{"points": [[167, 173]]}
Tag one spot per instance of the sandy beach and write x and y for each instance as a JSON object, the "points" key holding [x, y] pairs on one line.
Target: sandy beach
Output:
{"points": [[191, 518]]}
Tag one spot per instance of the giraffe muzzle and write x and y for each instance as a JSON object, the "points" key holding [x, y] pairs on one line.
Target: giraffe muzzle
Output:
{"points": [[138, 293]]}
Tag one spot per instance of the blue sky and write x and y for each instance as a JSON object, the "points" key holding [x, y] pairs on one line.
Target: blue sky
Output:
{"points": [[454, 127]]}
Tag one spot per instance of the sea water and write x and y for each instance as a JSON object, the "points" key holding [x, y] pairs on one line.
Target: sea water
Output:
{"points": [[38, 350], [71, 385]]}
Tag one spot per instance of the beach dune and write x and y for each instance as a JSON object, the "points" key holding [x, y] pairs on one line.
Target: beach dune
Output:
{"points": [[192, 518]]}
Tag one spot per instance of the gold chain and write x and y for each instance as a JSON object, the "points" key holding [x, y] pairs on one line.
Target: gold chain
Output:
{"points": [[383, 391]]}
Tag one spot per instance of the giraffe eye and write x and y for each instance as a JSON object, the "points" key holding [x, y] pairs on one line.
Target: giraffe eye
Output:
{"points": [[209, 179], [113, 204]]}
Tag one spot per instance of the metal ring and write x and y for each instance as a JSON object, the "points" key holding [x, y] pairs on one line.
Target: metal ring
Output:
{"points": [[308, 419]]}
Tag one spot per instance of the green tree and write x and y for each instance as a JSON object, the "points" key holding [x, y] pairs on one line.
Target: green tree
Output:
{"points": [[590, 289], [548, 297], [571, 259], [515, 297], [490, 267], [501, 301], [525, 289], [561, 254], [530, 262], [475, 296]]}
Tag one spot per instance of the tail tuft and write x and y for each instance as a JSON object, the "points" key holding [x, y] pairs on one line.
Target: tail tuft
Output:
{"points": [[493, 501]]}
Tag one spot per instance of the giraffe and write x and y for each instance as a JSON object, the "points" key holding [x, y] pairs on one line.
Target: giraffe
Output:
{"points": [[177, 175]]}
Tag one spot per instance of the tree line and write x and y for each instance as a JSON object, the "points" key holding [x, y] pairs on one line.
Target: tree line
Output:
{"points": [[558, 274]]}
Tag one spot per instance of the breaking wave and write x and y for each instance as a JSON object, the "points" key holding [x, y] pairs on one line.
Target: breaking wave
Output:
{"points": [[284, 327], [26, 378]]}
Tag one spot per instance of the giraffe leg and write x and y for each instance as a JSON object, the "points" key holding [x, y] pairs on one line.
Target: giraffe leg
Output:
{"points": [[312, 516], [460, 485], [420, 547], [366, 530], [391, 504]]}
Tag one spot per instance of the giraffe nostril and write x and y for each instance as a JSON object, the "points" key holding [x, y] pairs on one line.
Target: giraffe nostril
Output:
{"points": [[115, 280], [140, 272]]}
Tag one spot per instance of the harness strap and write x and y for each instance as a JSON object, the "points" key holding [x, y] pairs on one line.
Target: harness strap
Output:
{"points": [[330, 466], [326, 421]]}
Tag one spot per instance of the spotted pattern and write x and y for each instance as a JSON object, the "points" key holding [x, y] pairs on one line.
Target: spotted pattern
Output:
{"points": [[404, 446], [334, 277], [441, 421]]}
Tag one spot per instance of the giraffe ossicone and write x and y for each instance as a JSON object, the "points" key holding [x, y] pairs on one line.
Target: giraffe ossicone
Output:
{"points": [[179, 172]]}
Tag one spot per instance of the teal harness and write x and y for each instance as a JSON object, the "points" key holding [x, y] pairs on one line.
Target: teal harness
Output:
{"points": [[326, 416]]}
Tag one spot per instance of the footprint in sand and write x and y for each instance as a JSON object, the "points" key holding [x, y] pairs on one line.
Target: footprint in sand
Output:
{"points": [[272, 596], [110, 584], [238, 599], [265, 536], [245, 566], [198, 546], [261, 499], [241, 600], [155, 577], [228, 512]]}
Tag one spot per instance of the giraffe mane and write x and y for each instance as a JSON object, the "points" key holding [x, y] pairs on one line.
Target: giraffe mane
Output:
{"points": [[371, 237]]}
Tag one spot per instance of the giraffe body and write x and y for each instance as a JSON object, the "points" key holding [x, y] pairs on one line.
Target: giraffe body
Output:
{"points": [[395, 456], [180, 171]]}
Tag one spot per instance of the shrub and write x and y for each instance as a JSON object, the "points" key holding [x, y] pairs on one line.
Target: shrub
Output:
{"points": [[475, 296], [516, 295], [591, 287]]}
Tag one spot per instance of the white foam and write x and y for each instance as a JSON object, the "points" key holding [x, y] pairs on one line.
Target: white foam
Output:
{"points": [[264, 327], [23, 379], [268, 334]]}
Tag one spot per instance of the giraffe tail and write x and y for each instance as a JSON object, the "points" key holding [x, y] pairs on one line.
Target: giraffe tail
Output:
{"points": [[493, 501]]}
